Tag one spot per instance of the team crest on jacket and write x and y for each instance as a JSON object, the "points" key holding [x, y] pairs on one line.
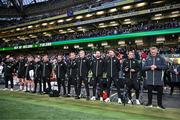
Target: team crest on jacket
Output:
{"points": [[114, 60], [84, 60], [158, 59]]}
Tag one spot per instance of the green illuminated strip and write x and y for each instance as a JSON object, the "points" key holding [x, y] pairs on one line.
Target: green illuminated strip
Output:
{"points": [[96, 39]]}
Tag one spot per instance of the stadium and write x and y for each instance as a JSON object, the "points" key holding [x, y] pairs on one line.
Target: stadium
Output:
{"points": [[90, 59]]}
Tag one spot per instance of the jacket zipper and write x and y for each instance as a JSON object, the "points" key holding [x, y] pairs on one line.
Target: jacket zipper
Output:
{"points": [[153, 70], [97, 68], [111, 67], [81, 68]]}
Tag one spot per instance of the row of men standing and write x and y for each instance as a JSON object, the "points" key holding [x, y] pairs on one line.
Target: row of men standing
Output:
{"points": [[76, 70]]}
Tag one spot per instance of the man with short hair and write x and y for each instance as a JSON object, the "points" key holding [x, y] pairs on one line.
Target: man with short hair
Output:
{"points": [[154, 67]]}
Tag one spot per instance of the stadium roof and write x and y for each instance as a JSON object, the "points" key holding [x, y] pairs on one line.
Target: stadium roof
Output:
{"points": [[19, 2]]}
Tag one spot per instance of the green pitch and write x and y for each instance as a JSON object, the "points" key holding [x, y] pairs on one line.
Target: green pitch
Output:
{"points": [[16, 105]]}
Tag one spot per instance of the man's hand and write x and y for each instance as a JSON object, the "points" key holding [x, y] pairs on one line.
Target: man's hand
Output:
{"points": [[132, 70], [126, 69]]}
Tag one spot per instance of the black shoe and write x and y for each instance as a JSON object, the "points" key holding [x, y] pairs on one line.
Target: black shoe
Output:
{"points": [[161, 107], [34, 92], [149, 105], [77, 97], [87, 98]]}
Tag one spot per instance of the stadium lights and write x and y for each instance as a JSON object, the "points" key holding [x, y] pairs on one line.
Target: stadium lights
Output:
{"points": [[66, 47], [121, 42], [76, 46], [60, 21], [37, 25], [175, 12], [90, 45], [112, 10], [79, 17], [69, 19], [30, 26], [60, 30], [160, 39], [138, 41], [141, 43], [104, 44], [89, 15], [51, 23], [174, 15], [127, 20], [100, 13], [18, 29], [158, 2], [158, 15], [141, 4], [126, 7], [44, 24]]}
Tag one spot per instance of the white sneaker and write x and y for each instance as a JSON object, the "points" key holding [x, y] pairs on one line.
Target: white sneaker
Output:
{"points": [[107, 100], [101, 99], [129, 102], [5, 89], [93, 98], [137, 102], [11, 89], [119, 101]]}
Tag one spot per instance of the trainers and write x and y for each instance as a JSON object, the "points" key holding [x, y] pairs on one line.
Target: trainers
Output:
{"points": [[119, 101], [11, 89], [129, 102], [161, 107], [5, 89], [137, 102], [101, 99], [107, 100], [149, 105], [93, 98]]}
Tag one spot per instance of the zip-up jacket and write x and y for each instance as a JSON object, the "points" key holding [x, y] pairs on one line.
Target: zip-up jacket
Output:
{"points": [[174, 76], [72, 68], [38, 70], [97, 67], [83, 65], [46, 69], [131, 64], [155, 77], [61, 70]]}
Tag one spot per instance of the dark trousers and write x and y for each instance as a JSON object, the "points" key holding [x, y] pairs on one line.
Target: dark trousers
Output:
{"points": [[72, 81], [36, 81], [159, 90], [174, 84], [132, 84], [8, 78], [61, 82], [85, 80], [46, 79], [116, 82], [97, 80]]}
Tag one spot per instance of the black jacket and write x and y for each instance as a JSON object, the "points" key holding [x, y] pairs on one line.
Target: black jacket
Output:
{"points": [[8, 68], [38, 70], [98, 67], [131, 64], [46, 69], [60, 70], [72, 68], [112, 67], [83, 65], [20, 67], [28, 66]]}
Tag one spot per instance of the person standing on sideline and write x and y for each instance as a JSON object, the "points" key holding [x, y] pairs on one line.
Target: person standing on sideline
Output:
{"points": [[154, 67], [98, 67], [112, 70], [131, 67], [83, 69]]}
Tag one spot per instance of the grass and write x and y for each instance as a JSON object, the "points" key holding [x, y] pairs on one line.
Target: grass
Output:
{"points": [[17, 105]]}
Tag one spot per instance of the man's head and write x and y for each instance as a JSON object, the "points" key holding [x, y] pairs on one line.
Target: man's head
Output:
{"points": [[30, 58], [37, 58], [131, 55], [59, 58], [98, 54], [72, 55], [111, 53], [45, 58], [82, 54], [154, 51], [175, 61]]}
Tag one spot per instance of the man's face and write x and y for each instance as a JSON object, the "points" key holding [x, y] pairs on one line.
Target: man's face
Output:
{"points": [[59, 58], [37, 59], [45, 58], [111, 53], [30, 59], [175, 61], [21, 57], [98, 54], [131, 55], [72, 56], [82, 54], [154, 52]]}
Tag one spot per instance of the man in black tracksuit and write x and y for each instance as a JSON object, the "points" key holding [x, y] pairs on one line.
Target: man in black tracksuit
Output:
{"points": [[60, 70], [20, 67], [112, 69], [8, 70], [131, 67], [83, 65], [98, 67], [154, 67], [72, 72], [38, 74], [46, 73]]}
